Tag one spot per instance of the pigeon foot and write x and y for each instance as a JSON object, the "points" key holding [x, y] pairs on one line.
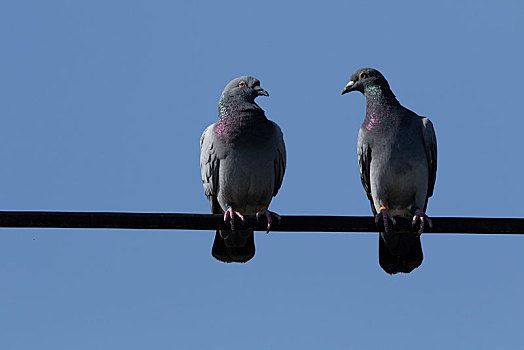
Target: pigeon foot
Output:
{"points": [[262, 210], [385, 216], [230, 214], [420, 215]]}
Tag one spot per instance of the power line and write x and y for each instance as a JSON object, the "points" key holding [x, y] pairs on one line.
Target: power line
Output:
{"points": [[182, 221]]}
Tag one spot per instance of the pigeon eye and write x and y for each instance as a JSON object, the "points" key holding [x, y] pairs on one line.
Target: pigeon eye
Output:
{"points": [[242, 84], [363, 75]]}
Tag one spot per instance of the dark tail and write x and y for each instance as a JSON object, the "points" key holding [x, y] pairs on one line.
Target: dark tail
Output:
{"points": [[399, 252], [234, 246]]}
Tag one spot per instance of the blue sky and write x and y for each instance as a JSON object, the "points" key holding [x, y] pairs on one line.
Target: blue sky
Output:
{"points": [[103, 104]]}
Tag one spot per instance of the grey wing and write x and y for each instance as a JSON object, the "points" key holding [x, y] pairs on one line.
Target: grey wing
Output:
{"points": [[209, 165], [364, 164], [430, 144], [280, 160]]}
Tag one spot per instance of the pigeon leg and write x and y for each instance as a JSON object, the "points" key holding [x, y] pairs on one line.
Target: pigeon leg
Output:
{"points": [[230, 215], [262, 210], [385, 216], [420, 215]]}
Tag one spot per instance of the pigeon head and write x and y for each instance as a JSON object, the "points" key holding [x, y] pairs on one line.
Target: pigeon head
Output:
{"points": [[239, 117], [244, 88], [365, 78]]}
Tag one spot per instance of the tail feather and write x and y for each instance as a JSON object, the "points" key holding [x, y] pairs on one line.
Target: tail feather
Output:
{"points": [[399, 252], [234, 246]]}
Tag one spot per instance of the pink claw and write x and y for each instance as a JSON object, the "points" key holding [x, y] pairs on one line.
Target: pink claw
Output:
{"points": [[420, 215], [268, 215], [230, 215], [385, 216]]}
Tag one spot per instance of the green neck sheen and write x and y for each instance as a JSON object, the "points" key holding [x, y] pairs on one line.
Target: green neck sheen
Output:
{"points": [[380, 93]]}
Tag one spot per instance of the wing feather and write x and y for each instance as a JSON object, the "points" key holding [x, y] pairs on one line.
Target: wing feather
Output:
{"points": [[364, 164], [430, 143], [209, 163], [280, 160]]}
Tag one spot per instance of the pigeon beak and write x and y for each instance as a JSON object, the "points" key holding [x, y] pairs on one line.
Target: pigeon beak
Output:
{"points": [[261, 92], [348, 88]]}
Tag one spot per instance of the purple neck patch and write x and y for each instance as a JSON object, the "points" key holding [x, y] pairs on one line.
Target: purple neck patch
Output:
{"points": [[380, 105], [372, 121], [240, 124]]}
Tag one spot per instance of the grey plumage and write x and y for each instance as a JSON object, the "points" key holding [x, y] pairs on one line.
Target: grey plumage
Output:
{"points": [[242, 160], [397, 155]]}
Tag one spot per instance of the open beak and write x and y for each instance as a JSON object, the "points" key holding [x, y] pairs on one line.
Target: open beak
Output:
{"points": [[348, 88], [261, 92]]}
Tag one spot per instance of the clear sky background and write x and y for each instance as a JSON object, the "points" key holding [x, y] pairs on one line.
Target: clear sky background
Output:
{"points": [[102, 105]]}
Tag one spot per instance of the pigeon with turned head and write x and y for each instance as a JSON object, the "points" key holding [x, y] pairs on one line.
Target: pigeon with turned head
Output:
{"points": [[397, 156], [242, 161]]}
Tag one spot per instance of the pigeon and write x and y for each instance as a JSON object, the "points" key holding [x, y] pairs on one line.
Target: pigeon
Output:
{"points": [[242, 162], [397, 157]]}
